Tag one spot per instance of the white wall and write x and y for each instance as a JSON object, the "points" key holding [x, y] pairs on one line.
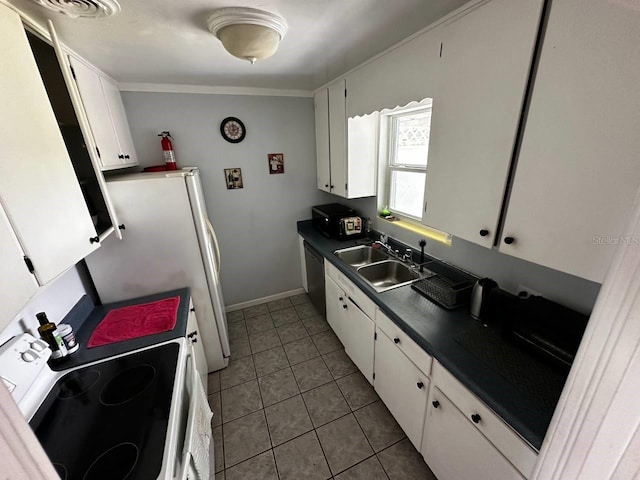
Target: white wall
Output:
{"points": [[55, 299], [256, 226]]}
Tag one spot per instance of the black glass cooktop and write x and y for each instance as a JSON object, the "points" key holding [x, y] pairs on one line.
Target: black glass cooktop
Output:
{"points": [[109, 421]]}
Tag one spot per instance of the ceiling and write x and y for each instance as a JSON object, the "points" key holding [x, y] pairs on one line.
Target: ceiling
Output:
{"points": [[167, 41]]}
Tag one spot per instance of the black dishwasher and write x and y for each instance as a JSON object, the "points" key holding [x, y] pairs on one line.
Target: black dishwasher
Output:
{"points": [[315, 277]]}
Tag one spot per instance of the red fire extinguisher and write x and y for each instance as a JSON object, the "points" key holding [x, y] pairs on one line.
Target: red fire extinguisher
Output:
{"points": [[167, 150]]}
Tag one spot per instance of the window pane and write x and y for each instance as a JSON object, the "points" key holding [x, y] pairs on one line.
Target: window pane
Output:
{"points": [[407, 192], [412, 139]]}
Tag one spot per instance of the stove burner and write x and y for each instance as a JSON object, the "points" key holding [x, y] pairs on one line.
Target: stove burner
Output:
{"points": [[127, 385], [78, 382], [117, 463], [61, 470]]}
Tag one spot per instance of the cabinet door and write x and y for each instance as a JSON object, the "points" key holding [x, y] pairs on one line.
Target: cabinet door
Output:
{"points": [[359, 341], [362, 155], [455, 449], [120, 122], [401, 386], [193, 336], [577, 171], [335, 308], [97, 108], [338, 137], [321, 105], [17, 285], [38, 186], [486, 59]]}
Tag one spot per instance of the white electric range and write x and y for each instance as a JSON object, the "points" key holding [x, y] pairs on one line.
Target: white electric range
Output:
{"points": [[140, 415]]}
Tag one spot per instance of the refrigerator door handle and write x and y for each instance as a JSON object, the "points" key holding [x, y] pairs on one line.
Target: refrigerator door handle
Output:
{"points": [[212, 232]]}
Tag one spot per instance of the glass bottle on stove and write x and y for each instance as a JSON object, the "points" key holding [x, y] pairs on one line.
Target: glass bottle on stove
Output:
{"points": [[49, 334]]}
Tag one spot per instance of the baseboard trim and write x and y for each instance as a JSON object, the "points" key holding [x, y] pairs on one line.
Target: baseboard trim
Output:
{"points": [[258, 301]]}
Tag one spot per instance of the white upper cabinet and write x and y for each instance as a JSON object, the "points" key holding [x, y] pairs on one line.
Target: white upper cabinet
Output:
{"points": [[485, 65], [20, 285], [578, 170], [338, 137], [323, 162], [105, 111], [346, 149], [406, 74], [38, 186]]}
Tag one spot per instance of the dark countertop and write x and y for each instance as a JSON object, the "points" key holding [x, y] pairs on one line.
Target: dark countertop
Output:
{"points": [[435, 330], [84, 317]]}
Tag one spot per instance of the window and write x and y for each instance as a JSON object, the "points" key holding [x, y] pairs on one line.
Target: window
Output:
{"points": [[408, 152]]}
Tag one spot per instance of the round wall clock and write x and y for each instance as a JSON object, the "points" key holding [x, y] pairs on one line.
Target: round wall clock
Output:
{"points": [[233, 130]]}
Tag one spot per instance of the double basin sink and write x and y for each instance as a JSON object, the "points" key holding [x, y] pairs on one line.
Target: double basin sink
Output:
{"points": [[377, 268]]}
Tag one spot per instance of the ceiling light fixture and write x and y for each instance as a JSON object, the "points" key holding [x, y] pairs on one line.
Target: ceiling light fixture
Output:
{"points": [[248, 33], [82, 8]]}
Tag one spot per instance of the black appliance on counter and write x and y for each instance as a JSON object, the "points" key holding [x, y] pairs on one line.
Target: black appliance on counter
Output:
{"points": [[338, 221], [545, 328]]}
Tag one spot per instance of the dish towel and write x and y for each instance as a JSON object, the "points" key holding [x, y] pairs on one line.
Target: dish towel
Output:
{"points": [[198, 437], [136, 321]]}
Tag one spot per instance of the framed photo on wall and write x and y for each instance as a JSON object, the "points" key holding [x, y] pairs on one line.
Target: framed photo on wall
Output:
{"points": [[233, 177], [276, 163]]}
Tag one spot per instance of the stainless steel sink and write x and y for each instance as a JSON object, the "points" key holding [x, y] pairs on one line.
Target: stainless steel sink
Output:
{"points": [[387, 274], [360, 255]]}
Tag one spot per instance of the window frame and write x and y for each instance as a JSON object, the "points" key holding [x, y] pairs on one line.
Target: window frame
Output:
{"points": [[391, 165]]}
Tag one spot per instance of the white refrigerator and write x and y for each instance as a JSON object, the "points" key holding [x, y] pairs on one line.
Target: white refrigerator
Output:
{"points": [[168, 243]]}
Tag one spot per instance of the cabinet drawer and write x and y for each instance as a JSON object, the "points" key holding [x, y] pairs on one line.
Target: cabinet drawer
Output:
{"points": [[411, 349], [503, 437], [357, 295]]}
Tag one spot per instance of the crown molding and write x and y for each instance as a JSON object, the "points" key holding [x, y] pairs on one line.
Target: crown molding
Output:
{"points": [[212, 90]]}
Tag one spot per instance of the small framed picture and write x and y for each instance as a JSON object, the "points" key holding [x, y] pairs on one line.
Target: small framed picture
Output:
{"points": [[276, 163], [233, 177]]}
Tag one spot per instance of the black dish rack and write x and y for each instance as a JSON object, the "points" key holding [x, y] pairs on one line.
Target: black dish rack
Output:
{"points": [[445, 285]]}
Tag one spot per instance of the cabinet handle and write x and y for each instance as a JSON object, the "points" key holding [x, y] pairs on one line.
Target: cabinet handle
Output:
{"points": [[121, 156], [484, 232], [192, 334], [192, 309], [122, 226], [194, 340], [476, 418], [344, 306], [420, 385], [509, 240], [435, 404], [396, 340], [95, 239], [331, 187], [341, 299], [127, 157], [326, 185]]}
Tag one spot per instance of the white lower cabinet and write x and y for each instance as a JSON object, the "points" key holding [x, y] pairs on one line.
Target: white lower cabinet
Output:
{"points": [[347, 309], [402, 387], [463, 438], [454, 449], [193, 336]]}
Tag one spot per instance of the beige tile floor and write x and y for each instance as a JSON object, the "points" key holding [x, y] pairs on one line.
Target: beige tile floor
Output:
{"points": [[292, 406]]}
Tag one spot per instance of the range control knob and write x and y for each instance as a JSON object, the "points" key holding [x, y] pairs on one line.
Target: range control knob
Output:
{"points": [[39, 345], [29, 356]]}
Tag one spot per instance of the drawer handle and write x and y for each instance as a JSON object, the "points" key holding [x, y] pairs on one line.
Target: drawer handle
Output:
{"points": [[420, 385], [396, 341], [435, 404], [476, 418]]}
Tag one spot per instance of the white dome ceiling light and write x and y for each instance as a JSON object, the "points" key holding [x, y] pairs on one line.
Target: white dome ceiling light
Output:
{"points": [[82, 8], [248, 33]]}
